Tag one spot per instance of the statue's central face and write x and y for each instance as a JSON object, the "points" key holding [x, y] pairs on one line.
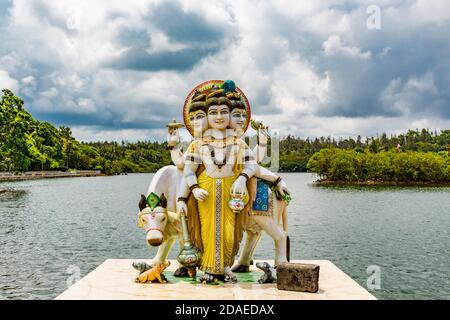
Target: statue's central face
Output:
{"points": [[198, 121], [219, 116], [238, 119]]}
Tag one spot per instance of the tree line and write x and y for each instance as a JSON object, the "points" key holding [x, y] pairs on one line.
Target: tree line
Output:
{"points": [[295, 153], [29, 144], [351, 165]]}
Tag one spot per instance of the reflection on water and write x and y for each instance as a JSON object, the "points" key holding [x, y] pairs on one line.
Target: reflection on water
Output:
{"points": [[12, 195], [49, 228]]}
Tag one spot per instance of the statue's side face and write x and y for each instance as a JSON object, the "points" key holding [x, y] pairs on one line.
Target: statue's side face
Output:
{"points": [[199, 121], [219, 116], [238, 119]]}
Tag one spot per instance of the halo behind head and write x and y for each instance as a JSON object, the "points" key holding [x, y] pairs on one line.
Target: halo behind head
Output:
{"points": [[215, 92]]}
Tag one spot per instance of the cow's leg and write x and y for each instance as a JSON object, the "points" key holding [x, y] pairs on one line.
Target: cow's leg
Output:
{"points": [[269, 225], [246, 256], [162, 254], [163, 250]]}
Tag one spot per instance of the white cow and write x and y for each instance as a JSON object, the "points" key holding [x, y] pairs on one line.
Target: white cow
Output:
{"points": [[162, 224], [275, 226]]}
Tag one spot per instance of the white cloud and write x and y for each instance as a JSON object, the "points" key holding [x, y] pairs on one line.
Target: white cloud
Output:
{"points": [[285, 55], [85, 105], [334, 46], [28, 80], [385, 52], [297, 89], [412, 96], [7, 82], [50, 93], [27, 85], [419, 13], [161, 43]]}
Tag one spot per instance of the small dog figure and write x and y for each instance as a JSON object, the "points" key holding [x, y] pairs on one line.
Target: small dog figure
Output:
{"points": [[270, 274], [155, 273]]}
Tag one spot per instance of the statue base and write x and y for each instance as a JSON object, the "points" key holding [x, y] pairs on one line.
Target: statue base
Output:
{"points": [[114, 280]]}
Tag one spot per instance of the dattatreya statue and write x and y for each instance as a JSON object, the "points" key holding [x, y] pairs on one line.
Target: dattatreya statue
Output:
{"points": [[215, 183]]}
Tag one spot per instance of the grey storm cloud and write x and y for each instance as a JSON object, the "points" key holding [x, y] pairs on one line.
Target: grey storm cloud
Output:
{"points": [[102, 120], [183, 26], [357, 85], [130, 65], [200, 37], [139, 59]]}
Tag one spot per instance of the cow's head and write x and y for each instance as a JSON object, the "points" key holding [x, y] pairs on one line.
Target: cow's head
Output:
{"points": [[153, 217]]}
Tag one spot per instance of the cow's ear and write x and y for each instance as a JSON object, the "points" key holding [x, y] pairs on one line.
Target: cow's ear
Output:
{"points": [[163, 201], [142, 203]]}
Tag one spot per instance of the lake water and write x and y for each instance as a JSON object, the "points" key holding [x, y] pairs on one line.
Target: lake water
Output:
{"points": [[52, 231]]}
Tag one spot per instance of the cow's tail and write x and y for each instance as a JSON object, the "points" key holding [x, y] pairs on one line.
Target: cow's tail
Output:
{"points": [[288, 249], [283, 209]]}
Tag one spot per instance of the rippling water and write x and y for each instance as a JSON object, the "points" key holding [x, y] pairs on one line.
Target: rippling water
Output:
{"points": [[51, 229]]}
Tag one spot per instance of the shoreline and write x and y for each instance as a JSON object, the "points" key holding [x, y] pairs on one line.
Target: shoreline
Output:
{"points": [[370, 183], [34, 175]]}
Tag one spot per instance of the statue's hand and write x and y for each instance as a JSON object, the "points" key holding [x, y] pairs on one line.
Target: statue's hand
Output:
{"points": [[263, 135], [181, 206], [238, 187], [172, 137], [282, 187], [200, 194]]}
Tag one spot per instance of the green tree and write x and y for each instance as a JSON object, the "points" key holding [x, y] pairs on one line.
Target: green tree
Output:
{"points": [[14, 126]]}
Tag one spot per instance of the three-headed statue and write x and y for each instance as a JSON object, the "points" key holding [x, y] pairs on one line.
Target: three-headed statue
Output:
{"points": [[219, 191], [216, 190]]}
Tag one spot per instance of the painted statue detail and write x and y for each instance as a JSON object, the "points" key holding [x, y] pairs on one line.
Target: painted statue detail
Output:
{"points": [[217, 167], [217, 190]]}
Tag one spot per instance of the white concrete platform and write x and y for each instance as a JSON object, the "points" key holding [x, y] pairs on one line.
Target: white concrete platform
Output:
{"points": [[114, 280]]}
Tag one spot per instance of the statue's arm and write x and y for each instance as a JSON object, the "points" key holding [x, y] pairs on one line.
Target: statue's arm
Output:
{"points": [[266, 174], [182, 195], [177, 157], [183, 189], [192, 161], [249, 163], [189, 174], [248, 170], [173, 136]]}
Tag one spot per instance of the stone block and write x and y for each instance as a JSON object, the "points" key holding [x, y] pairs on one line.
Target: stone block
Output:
{"points": [[300, 277]]}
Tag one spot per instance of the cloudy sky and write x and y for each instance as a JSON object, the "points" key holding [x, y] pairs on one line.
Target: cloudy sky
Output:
{"points": [[121, 69]]}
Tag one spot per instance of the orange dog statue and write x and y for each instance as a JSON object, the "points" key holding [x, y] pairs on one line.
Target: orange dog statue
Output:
{"points": [[155, 273]]}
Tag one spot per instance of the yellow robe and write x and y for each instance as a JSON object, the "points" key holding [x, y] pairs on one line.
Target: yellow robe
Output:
{"points": [[217, 222], [215, 219]]}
